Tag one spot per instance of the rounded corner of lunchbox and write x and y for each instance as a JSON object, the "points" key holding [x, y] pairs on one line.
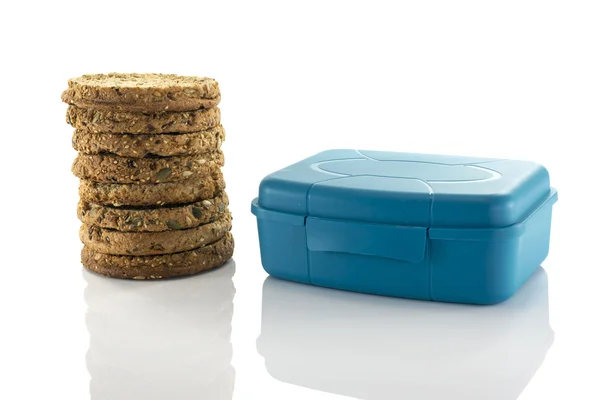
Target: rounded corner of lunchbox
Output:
{"points": [[511, 208], [266, 186]]}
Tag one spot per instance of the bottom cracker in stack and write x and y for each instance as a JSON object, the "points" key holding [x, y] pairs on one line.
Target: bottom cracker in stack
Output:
{"points": [[160, 266]]}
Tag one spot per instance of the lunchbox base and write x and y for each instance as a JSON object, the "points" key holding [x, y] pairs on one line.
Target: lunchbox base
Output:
{"points": [[408, 292], [486, 299], [456, 270]]}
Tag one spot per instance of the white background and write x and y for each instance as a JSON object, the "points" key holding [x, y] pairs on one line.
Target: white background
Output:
{"points": [[508, 79]]}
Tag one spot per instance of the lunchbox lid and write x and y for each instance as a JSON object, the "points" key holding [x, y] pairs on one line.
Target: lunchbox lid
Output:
{"points": [[408, 189]]}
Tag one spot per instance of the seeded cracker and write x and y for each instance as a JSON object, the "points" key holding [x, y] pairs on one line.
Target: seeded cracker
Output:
{"points": [[115, 121], [110, 241], [151, 195], [160, 266], [109, 168], [142, 92], [139, 146], [157, 219]]}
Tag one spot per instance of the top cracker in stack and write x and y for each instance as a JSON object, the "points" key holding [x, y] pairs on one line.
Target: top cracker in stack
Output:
{"points": [[152, 202]]}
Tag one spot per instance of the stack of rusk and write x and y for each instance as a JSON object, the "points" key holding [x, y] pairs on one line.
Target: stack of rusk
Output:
{"points": [[152, 194]]}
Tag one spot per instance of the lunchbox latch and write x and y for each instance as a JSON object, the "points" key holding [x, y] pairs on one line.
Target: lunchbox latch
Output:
{"points": [[406, 243]]}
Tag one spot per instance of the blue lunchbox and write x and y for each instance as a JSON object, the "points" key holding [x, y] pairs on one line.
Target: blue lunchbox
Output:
{"points": [[430, 227]]}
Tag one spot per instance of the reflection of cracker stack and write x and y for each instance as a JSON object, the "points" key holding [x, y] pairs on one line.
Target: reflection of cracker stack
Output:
{"points": [[152, 190], [165, 339]]}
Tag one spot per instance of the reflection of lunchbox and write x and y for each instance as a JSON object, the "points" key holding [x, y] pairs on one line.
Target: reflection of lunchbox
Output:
{"points": [[445, 228], [373, 347]]}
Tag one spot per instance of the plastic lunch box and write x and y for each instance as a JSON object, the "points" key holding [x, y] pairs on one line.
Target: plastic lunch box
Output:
{"points": [[431, 227], [373, 347]]}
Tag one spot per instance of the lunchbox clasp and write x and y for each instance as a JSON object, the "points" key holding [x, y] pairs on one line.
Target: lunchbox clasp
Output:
{"points": [[405, 243]]}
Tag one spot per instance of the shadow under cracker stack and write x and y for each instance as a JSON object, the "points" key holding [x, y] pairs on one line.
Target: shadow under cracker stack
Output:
{"points": [[152, 194]]}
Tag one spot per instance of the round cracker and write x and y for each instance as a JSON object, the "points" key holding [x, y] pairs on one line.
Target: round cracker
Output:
{"points": [[160, 266], [142, 92], [110, 241], [132, 122], [159, 194], [155, 219], [139, 146], [110, 168]]}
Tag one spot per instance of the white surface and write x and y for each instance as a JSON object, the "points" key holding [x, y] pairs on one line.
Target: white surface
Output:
{"points": [[512, 79]]}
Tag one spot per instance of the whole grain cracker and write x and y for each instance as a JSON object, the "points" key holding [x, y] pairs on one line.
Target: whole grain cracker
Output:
{"points": [[160, 266], [139, 146], [110, 241], [155, 219], [132, 122], [110, 168], [168, 193], [142, 92]]}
